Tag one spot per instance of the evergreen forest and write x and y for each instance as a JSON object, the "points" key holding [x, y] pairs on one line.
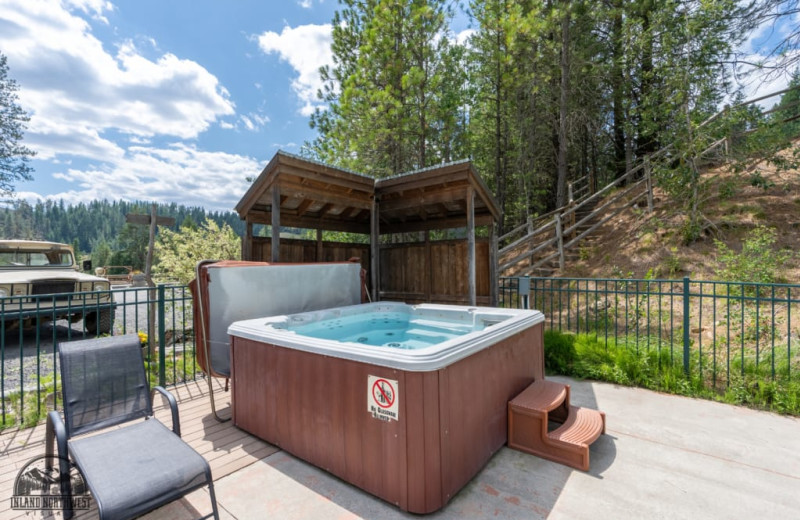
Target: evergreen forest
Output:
{"points": [[99, 227], [537, 94], [541, 93]]}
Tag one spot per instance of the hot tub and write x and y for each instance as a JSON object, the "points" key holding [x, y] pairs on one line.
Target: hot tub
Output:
{"points": [[405, 402]]}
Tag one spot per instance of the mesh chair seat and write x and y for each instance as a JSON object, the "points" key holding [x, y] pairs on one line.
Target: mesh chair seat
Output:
{"points": [[138, 468]]}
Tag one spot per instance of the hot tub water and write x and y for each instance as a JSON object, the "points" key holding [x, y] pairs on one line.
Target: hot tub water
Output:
{"points": [[388, 329]]}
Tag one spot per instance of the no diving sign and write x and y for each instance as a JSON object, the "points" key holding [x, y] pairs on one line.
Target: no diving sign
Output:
{"points": [[382, 398]]}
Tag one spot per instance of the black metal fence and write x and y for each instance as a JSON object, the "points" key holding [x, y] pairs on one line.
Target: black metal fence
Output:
{"points": [[32, 326], [715, 329]]}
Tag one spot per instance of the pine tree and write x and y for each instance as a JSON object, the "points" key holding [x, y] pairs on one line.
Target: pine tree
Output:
{"points": [[388, 90], [14, 156]]}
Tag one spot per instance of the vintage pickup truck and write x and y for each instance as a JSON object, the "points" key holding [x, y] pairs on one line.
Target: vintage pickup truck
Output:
{"points": [[40, 282]]}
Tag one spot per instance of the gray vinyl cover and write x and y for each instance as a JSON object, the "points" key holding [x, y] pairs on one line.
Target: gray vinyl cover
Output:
{"points": [[247, 292]]}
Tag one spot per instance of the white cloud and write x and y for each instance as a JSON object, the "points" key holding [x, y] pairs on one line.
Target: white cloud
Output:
{"points": [[215, 180], [757, 73], [77, 90], [305, 4], [94, 8], [112, 109], [253, 121], [249, 125], [306, 48]]}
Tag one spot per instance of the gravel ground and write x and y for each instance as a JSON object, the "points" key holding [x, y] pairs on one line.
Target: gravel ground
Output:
{"points": [[130, 316]]}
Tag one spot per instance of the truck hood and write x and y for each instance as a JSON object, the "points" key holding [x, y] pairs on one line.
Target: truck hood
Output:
{"points": [[32, 275]]}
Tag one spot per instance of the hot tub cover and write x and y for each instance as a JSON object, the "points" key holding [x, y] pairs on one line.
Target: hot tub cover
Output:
{"points": [[233, 290]]}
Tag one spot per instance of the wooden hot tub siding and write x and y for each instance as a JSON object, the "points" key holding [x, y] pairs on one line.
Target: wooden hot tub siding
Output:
{"points": [[451, 420]]}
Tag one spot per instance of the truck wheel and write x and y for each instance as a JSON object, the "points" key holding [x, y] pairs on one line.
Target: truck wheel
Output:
{"points": [[103, 325]]}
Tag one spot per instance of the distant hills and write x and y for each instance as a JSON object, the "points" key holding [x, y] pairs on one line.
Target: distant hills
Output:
{"points": [[87, 225]]}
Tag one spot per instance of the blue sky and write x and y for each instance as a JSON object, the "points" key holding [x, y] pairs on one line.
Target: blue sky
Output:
{"points": [[162, 100], [170, 100]]}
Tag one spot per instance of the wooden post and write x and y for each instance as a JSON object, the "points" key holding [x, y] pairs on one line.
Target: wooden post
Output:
{"points": [[570, 195], [429, 263], [247, 244], [151, 241], [319, 246], [571, 220], [276, 223], [375, 249], [152, 339], [152, 220], [471, 245], [560, 240], [493, 281], [648, 183]]}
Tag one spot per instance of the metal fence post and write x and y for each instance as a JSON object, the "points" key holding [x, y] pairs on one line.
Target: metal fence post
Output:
{"points": [[524, 289], [686, 325], [162, 355]]}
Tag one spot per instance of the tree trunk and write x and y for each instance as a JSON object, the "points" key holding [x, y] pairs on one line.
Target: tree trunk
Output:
{"points": [[561, 183], [617, 87], [499, 163], [647, 143]]}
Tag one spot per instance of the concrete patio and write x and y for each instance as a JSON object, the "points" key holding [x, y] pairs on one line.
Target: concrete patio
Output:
{"points": [[662, 457]]}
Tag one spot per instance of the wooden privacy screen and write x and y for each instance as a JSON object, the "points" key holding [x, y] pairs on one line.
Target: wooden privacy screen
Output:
{"points": [[295, 251], [418, 272], [433, 272]]}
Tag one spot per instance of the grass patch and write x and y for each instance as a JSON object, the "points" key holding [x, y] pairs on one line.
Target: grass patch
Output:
{"points": [[26, 409], [619, 361], [178, 367]]}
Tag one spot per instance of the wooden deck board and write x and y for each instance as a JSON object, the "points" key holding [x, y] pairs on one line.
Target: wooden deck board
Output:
{"points": [[227, 448]]}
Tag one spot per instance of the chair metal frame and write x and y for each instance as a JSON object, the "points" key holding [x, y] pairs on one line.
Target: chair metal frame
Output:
{"points": [[57, 433]]}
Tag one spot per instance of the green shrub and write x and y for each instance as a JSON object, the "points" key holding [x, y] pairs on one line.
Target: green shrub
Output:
{"points": [[757, 180], [559, 352], [727, 189], [758, 261], [587, 356]]}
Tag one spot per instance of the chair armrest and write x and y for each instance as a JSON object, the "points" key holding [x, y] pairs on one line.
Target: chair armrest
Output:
{"points": [[56, 431], [173, 405]]}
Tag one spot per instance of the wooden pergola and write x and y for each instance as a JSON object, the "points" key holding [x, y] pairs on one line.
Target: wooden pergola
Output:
{"points": [[313, 195]]}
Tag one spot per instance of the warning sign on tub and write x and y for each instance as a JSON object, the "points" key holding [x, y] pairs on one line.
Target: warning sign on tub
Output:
{"points": [[382, 398]]}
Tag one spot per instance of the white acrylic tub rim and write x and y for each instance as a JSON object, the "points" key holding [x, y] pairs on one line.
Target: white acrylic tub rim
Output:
{"points": [[501, 323]]}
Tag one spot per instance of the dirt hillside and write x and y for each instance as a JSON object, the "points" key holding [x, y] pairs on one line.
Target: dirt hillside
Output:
{"points": [[636, 243]]}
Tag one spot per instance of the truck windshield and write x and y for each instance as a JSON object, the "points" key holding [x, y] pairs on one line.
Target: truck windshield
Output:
{"points": [[35, 259]]}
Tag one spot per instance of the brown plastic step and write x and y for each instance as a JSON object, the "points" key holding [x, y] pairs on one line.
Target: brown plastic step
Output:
{"points": [[541, 396], [570, 442], [582, 427], [544, 401]]}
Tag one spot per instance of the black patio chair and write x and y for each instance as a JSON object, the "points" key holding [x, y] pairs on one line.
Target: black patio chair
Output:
{"points": [[132, 469]]}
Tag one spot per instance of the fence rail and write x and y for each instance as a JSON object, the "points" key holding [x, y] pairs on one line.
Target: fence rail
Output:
{"points": [[32, 326], [716, 330]]}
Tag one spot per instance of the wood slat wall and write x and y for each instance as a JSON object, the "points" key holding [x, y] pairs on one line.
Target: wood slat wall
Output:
{"points": [[416, 272], [305, 251], [434, 272]]}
